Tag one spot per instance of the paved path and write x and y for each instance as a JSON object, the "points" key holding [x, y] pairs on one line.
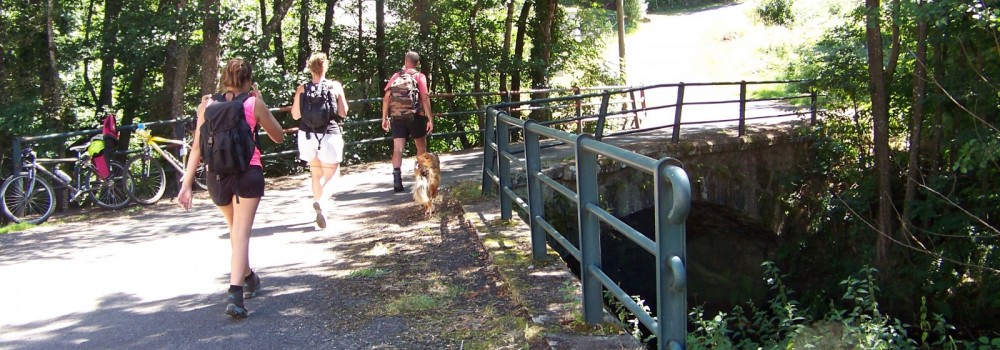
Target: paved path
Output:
{"points": [[155, 278]]}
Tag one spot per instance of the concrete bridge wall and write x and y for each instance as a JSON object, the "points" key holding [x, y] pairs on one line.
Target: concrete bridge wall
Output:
{"points": [[751, 175], [738, 185]]}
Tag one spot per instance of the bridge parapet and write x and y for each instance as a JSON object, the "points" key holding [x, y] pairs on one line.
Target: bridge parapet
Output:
{"points": [[751, 174]]}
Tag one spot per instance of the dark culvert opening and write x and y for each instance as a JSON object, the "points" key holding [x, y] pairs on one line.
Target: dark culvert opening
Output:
{"points": [[725, 250]]}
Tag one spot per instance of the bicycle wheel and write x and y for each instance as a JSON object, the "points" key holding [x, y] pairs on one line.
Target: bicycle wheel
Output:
{"points": [[27, 199], [200, 176], [147, 180], [113, 192]]}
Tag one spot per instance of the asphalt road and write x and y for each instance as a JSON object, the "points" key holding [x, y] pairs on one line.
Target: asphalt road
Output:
{"points": [[156, 278]]}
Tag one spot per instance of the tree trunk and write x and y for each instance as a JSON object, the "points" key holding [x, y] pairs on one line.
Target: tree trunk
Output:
{"points": [[263, 24], [515, 75], [331, 6], [880, 115], [936, 131], [362, 52], [87, 83], [542, 40], [175, 70], [890, 69], [424, 16], [380, 40], [210, 52], [304, 49], [51, 96], [109, 38], [272, 27], [459, 122], [130, 106], [279, 42], [919, 94], [505, 52], [477, 79]]}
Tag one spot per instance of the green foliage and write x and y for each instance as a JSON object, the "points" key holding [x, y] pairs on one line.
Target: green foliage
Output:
{"points": [[459, 52], [774, 12], [856, 322], [632, 324], [950, 257], [635, 12]]}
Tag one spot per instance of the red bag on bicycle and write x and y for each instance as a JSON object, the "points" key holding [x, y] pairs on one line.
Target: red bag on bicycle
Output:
{"points": [[102, 144]]}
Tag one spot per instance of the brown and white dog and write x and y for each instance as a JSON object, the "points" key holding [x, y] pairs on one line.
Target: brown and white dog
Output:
{"points": [[428, 176]]}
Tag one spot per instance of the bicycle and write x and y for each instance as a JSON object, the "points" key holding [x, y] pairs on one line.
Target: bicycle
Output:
{"points": [[28, 197], [147, 177]]}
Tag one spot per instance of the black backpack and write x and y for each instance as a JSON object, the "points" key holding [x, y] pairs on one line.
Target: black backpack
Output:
{"points": [[227, 142], [318, 106]]}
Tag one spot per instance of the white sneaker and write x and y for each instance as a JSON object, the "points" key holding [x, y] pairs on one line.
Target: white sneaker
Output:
{"points": [[320, 219]]}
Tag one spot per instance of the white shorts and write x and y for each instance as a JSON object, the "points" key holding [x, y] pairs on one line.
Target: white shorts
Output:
{"points": [[330, 152]]}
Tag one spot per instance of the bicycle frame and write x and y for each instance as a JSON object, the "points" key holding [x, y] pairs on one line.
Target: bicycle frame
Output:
{"points": [[154, 144], [34, 167]]}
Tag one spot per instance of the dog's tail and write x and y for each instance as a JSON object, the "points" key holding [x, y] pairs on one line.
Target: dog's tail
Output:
{"points": [[420, 191]]}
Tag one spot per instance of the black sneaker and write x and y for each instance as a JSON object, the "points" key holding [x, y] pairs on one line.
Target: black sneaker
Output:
{"points": [[397, 181], [250, 285], [235, 308]]}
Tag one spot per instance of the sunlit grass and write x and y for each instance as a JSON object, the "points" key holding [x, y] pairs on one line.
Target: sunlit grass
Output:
{"points": [[467, 192], [368, 272], [414, 303], [16, 228]]}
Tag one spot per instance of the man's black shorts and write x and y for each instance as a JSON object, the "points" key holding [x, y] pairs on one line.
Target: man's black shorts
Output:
{"points": [[248, 184], [408, 128]]}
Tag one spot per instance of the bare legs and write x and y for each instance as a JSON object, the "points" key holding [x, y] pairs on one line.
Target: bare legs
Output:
{"points": [[239, 217], [397, 151], [322, 174], [399, 144]]}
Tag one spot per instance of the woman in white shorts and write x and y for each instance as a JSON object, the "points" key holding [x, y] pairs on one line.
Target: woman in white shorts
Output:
{"points": [[322, 146]]}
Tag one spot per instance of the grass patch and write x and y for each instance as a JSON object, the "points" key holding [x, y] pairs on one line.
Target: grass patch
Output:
{"points": [[661, 7], [16, 228], [467, 192], [368, 272], [782, 91], [414, 303]]}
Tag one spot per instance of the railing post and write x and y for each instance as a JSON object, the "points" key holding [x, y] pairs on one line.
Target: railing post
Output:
{"points": [[602, 115], [489, 153], [743, 108], [503, 168], [579, 110], [673, 203], [642, 95], [16, 157], [812, 107], [536, 208], [678, 109], [590, 230]]}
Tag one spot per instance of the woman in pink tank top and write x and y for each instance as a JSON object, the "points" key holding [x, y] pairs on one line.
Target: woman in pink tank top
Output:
{"points": [[236, 195]]}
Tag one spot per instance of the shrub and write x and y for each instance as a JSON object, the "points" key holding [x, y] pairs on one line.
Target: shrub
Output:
{"points": [[775, 12]]}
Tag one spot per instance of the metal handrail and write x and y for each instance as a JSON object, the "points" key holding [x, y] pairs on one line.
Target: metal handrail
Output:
{"points": [[672, 198]]}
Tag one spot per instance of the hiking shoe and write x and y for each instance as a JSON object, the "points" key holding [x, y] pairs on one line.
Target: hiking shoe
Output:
{"points": [[397, 181], [235, 307], [320, 219], [250, 285]]}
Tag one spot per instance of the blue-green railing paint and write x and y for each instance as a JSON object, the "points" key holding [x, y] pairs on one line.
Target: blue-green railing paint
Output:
{"points": [[672, 205]]}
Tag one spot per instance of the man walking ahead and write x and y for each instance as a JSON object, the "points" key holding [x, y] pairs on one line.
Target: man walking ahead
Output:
{"points": [[406, 111]]}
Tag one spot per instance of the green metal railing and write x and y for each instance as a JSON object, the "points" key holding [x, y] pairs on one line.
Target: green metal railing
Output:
{"points": [[672, 198]]}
